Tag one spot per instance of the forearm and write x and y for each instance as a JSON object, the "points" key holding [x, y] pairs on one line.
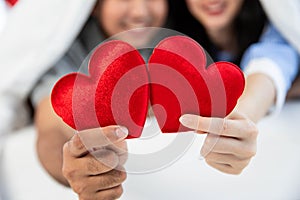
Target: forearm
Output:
{"points": [[295, 90], [52, 135], [258, 97]]}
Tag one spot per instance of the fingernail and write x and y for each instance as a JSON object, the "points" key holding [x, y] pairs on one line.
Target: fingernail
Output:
{"points": [[186, 121], [122, 132]]}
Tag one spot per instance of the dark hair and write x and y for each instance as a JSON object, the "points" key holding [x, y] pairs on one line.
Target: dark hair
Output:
{"points": [[249, 25]]}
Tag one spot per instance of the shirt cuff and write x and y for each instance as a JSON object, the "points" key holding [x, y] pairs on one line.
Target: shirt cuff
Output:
{"points": [[269, 68]]}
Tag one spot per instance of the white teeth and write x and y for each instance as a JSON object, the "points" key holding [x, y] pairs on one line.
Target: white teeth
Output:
{"points": [[215, 7], [137, 30], [133, 26]]}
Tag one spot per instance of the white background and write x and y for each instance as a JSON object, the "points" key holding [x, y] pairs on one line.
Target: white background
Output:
{"points": [[273, 173]]}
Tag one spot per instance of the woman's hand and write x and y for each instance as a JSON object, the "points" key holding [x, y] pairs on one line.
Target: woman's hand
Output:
{"points": [[230, 143], [92, 162]]}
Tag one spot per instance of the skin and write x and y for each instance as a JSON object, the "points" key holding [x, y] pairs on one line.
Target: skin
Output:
{"points": [[70, 162], [116, 16], [92, 173], [295, 90], [217, 17], [97, 172], [231, 141]]}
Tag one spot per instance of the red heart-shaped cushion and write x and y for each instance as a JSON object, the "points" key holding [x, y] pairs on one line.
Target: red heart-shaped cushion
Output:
{"points": [[181, 83], [109, 95]]}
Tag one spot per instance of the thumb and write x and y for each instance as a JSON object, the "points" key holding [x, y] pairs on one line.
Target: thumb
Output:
{"points": [[192, 122], [100, 137], [82, 142]]}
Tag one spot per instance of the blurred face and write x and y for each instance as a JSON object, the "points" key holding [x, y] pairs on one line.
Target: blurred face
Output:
{"points": [[215, 15], [116, 16]]}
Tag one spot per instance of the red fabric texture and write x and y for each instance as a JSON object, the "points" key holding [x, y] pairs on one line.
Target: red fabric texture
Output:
{"points": [[118, 89], [102, 99], [11, 2], [181, 83]]}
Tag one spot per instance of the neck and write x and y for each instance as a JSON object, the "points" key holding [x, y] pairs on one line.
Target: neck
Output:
{"points": [[224, 39]]}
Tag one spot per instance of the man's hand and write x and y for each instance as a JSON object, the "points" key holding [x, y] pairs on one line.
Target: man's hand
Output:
{"points": [[92, 162], [230, 143]]}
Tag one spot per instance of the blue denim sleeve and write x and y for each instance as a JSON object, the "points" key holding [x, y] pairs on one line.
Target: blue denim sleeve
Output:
{"points": [[274, 47]]}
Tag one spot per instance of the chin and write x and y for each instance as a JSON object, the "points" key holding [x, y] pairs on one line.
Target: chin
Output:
{"points": [[217, 25]]}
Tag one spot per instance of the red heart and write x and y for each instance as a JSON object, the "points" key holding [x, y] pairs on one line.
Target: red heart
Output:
{"points": [[117, 92], [181, 84], [85, 102]]}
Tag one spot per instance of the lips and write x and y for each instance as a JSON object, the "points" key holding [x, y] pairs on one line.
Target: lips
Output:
{"points": [[214, 8]]}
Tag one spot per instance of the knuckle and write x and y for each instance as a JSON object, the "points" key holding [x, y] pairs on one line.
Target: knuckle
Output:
{"points": [[109, 134], [206, 149], [86, 196], [210, 163], [242, 165], [123, 176], [118, 176], [249, 152], [114, 193], [123, 158], [79, 188], [105, 182], [235, 171], [66, 148], [237, 168], [225, 126], [207, 141], [209, 157], [230, 169], [252, 153], [117, 192], [252, 129], [69, 174], [104, 160], [77, 143], [94, 167]]}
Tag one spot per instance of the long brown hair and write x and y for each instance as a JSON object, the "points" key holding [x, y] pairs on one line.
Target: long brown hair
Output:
{"points": [[249, 25]]}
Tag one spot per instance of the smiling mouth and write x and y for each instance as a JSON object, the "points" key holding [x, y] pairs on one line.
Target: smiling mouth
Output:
{"points": [[138, 26], [214, 8]]}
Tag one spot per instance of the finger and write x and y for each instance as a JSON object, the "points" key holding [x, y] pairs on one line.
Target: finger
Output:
{"points": [[88, 191], [227, 145], [204, 124], [108, 180], [83, 141], [220, 144], [120, 148], [228, 159], [103, 136], [96, 184], [113, 193], [109, 162], [80, 168], [225, 168], [101, 162], [219, 126]]}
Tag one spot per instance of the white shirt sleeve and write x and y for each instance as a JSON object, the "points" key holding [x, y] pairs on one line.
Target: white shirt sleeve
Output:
{"points": [[270, 68], [275, 58]]}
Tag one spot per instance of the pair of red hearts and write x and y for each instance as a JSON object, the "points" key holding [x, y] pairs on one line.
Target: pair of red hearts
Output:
{"points": [[120, 85]]}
